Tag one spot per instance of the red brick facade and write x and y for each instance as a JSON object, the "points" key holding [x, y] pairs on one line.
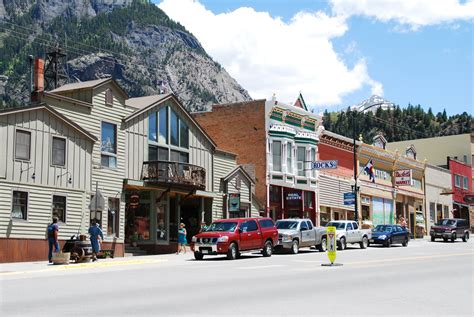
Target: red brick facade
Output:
{"points": [[332, 149], [240, 128]]}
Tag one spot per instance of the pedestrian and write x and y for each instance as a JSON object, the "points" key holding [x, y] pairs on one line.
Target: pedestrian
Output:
{"points": [[53, 230], [182, 239], [403, 223], [95, 232]]}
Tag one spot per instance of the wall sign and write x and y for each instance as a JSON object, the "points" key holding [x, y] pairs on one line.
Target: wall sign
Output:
{"points": [[234, 202], [403, 177], [349, 199], [293, 196], [319, 165]]}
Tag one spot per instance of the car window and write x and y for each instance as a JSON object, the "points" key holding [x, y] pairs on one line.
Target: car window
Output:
{"points": [[399, 229], [303, 225], [285, 224], [310, 226], [251, 226], [356, 226], [266, 223], [349, 226]]}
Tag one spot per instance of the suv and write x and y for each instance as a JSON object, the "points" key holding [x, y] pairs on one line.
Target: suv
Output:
{"points": [[231, 236], [450, 229]]}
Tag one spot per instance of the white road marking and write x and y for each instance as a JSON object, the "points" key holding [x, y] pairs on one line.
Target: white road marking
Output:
{"points": [[261, 267]]}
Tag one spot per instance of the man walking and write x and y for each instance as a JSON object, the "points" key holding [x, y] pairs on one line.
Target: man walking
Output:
{"points": [[95, 232], [53, 230]]}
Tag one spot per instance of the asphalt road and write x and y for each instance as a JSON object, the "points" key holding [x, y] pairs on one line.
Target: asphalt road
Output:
{"points": [[431, 279]]}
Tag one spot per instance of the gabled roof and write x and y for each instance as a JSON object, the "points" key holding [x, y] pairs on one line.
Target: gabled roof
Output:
{"points": [[68, 99], [235, 171], [55, 113], [90, 84], [299, 103], [146, 103]]}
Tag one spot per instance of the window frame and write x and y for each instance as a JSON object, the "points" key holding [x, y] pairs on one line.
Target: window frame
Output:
{"points": [[109, 154], [20, 159], [274, 155], [109, 95], [65, 150], [457, 180], [65, 206], [465, 182], [301, 171], [289, 158], [25, 217]]}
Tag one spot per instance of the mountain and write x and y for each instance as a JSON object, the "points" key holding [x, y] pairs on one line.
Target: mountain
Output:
{"points": [[396, 123], [373, 103], [133, 41]]}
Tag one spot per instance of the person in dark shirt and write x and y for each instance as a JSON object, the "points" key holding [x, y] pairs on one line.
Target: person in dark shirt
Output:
{"points": [[95, 232], [53, 230]]}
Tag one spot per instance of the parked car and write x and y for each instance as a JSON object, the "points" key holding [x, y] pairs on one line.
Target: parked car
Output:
{"points": [[390, 234], [450, 229], [299, 233], [349, 232], [232, 236]]}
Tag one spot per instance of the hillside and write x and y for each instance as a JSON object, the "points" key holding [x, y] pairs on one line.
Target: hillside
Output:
{"points": [[399, 124], [133, 41]]}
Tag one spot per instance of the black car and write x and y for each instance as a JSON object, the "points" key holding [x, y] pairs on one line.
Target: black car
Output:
{"points": [[390, 234], [450, 229]]}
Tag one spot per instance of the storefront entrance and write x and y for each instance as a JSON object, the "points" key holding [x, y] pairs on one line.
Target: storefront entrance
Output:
{"points": [[190, 216]]}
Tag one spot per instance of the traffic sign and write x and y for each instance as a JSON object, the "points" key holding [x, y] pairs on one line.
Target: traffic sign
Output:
{"points": [[331, 247], [320, 165], [349, 199]]}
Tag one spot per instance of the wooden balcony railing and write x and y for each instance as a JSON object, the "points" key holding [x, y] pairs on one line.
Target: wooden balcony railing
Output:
{"points": [[174, 173]]}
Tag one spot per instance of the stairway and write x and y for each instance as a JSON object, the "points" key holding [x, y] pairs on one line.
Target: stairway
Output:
{"points": [[133, 251]]}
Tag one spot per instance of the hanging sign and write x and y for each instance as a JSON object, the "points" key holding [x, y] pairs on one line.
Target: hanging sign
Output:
{"points": [[403, 177], [234, 202], [331, 244], [349, 199], [320, 165]]}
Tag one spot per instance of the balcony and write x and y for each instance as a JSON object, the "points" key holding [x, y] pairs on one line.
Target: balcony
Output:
{"points": [[182, 175]]}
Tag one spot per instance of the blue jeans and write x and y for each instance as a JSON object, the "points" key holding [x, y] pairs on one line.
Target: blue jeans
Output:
{"points": [[52, 243]]}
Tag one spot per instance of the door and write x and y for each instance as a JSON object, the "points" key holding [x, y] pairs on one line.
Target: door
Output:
{"points": [[305, 234], [312, 233], [350, 233], [250, 236]]}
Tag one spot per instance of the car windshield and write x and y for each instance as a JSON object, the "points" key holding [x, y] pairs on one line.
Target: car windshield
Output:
{"points": [[287, 224], [446, 222], [222, 226], [338, 225], [381, 228]]}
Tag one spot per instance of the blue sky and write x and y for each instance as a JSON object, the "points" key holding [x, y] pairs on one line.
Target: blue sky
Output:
{"points": [[404, 54]]}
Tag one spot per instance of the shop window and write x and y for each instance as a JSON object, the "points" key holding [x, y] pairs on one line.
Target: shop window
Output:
{"points": [[289, 158], [109, 145], [59, 207], [22, 145], [365, 213], [433, 217], [275, 194], [300, 156], [161, 222], [325, 215], [20, 205], [58, 155], [276, 154], [113, 214], [142, 219], [446, 212], [309, 200]]}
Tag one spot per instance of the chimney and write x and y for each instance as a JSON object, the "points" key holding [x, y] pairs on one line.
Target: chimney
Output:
{"points": [[39, 80]]}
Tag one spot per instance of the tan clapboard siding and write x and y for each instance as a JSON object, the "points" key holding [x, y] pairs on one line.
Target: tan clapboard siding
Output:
{"points": [[4, 150], [43, 126], [223, 165], [254, 210], [40, 211], [331, 191]]}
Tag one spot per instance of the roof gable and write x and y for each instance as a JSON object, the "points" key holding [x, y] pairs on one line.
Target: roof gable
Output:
{"points": [[90, 84], [300, 103], [239, 169]]}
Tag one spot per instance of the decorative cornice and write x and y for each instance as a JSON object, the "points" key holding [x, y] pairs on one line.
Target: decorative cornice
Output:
{"points": [[281, 128]]}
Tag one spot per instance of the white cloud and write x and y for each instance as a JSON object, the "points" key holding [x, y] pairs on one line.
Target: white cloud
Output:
{"points": [[413, 13], [266, 55]]}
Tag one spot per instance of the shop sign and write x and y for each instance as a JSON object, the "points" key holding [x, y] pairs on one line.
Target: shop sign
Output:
{"points": [[403, 177], [234, 202], [331, 244], [349, 199], [293, 196], [320, 165], [134, 200]]}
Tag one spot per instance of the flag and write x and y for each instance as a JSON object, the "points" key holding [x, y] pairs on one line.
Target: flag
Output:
{"points": [[369, 169]]}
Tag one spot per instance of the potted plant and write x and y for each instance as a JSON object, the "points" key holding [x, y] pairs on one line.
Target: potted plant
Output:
{"points": [[134, 239]]}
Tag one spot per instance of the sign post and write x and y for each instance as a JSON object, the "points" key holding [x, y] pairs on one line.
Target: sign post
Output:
{"points": [[331, 247]]}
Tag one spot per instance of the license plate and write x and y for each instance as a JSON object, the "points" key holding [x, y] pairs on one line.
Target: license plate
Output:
{"points": [[204, 251], [371, 240]]}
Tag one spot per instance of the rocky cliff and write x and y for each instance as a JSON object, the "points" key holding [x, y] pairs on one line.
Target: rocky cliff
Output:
{"points": [[132, 41]]}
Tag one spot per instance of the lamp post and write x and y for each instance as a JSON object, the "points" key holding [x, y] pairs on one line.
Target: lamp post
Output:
{"points": [[354, 133]]}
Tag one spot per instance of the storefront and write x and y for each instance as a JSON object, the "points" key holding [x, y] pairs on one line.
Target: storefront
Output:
{"points": [[292, 203]]}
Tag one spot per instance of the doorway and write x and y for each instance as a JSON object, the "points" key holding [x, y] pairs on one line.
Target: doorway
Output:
{"points": [[190, 216]]}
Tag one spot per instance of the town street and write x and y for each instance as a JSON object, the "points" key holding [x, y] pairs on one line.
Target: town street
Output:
{"points": [[432, 279]]}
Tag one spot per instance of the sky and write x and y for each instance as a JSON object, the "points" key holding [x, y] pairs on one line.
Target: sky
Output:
{"points": [[338, 53]]}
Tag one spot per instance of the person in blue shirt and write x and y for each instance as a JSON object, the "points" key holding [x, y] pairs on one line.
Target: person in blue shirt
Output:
{"points": [[182, 241], [95, 232], [53, 229]]}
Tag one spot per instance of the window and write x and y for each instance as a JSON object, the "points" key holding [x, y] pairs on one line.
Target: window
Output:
{"points": [[457, 180], [308, 199], [58, 156], [301, 151], [289, 158], [310, 225], [276, 151], [266, 223], [19, 205], [157, 153], [174, 128], [109, 145], [465, 185], [349, 226], [183, 135], [446, 211], [250, 225], [153, 127], [109, 97], [22, 145], [313, 159], [59, 207], [113, 223], [163, 117], [355, 225], [177, 156], [304, 225]]}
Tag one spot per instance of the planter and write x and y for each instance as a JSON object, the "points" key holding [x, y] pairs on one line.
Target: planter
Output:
{"points": [[61, 258]]}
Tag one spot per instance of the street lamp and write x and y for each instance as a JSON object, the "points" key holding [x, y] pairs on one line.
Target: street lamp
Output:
{"points": [[354, 133]]}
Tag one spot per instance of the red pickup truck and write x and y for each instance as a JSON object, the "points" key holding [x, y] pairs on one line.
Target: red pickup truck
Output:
{"points": [[231, 236]]}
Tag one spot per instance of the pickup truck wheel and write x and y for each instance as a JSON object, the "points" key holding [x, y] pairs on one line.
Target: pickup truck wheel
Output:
{"points": [[295, 246], [465, 237], [198, 255], [364, 243], [342, 244], [267, 249], [232, 252], [445, 239], [323, 246], [405, 242], [453, 237]]}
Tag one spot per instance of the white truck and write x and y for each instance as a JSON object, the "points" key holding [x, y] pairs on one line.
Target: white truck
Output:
{"points": [[299, 233], [349, 232]]}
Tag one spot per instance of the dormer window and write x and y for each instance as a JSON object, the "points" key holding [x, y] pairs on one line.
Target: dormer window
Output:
{"points": [[109, 97], [380, 141], [411, 152]]}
